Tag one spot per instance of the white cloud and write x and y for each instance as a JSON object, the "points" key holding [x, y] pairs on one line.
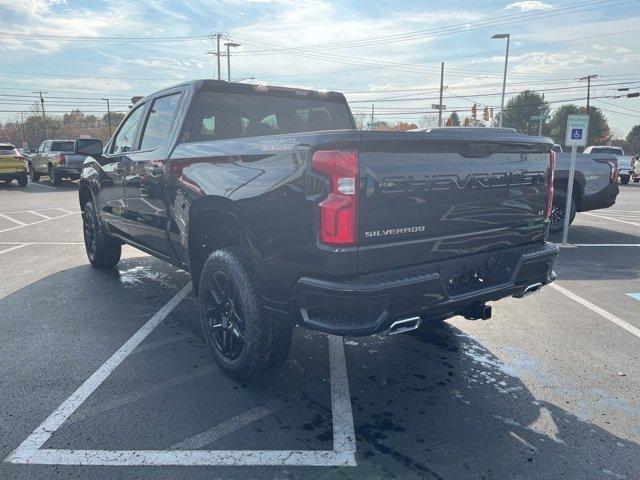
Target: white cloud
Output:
{"points": [[529, 5]]}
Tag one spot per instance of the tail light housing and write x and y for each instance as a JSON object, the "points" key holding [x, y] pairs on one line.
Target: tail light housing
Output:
{"points": [[613, 164], [61, 159], [338, 212], [552, 167]]}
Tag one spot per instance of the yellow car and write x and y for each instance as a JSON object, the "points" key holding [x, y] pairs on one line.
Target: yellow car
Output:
{"points": [[13, 166]]}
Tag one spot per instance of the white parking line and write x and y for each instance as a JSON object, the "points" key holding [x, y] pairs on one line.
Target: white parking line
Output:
{"points": [[12, 219], [611, 218], [41, 215], [66, 211], [54, 421], [606, 244], [41, 243], [223, 429], [36, 184], [38, 222], [14, 248], [30, 451], [594, 308]]}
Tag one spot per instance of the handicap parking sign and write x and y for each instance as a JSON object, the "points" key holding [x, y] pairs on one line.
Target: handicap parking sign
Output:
{"points": [[577, 128]]}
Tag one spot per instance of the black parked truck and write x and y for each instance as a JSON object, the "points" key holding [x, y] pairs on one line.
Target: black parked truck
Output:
{"points": [[285, 214]]}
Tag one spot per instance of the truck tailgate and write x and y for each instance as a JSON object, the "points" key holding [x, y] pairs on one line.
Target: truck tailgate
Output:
{"points": [[73, 160], [429, 196]]}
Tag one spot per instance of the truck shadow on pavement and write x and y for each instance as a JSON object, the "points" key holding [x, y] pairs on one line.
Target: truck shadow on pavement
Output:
{"points": [[434, 404]]}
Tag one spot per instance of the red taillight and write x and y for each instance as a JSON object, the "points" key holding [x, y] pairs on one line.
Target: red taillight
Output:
{"points": [[61, 159], [613, 165], [337, 215], [552, 167]]}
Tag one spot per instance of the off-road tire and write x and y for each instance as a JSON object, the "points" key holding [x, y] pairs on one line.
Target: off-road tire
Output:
{"points": [[23, 180], [557, 211], [102, 250], [624, 179], [266, 340]]}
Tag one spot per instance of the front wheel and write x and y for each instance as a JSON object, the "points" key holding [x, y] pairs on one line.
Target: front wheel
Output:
{"points": [[102, 251], [35, 176], [244, 339], [558, 211], [624, 179]]}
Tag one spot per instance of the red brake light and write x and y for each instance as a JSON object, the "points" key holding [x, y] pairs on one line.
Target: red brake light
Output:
{"points": [[61, 159], [552, 167], [337, 215]]}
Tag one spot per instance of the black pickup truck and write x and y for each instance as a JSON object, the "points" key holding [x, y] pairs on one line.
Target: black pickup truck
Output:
{"points": [[284, 214]]}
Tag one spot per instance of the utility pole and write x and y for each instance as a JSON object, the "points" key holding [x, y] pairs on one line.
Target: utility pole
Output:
{"points": [[108, 115], [24, 130], [441, 89], [372, 110], [541, 120], [217, 52], [588, 80], [44, 117]]}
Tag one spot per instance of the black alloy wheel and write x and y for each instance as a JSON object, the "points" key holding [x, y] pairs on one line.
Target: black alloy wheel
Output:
{"points": [[90, 234], [224, 322]]}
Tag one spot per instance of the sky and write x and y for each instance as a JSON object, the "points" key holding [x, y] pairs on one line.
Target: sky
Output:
{"points": [[385, 53]]}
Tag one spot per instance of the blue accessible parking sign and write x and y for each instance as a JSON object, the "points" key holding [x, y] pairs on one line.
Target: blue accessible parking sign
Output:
{"points": [[577, 130], [576, 133]]}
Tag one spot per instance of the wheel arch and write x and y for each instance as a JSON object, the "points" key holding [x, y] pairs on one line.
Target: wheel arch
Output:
{"points": [[214, 223]]}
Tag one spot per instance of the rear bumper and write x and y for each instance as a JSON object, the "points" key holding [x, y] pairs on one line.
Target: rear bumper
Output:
{"points": [[370, 303], [602, 199], [68, 171]]}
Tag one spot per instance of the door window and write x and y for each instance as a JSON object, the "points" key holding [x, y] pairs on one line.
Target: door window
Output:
{"points": [[125, 137], [159, 122]]}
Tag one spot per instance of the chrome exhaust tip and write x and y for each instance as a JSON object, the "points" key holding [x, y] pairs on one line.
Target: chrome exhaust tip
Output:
{"points": [[531, 289], [403, 326]]}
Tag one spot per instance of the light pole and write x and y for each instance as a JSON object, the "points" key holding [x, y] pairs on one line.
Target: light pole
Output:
{"points": [[504, 78], [229, 45]]}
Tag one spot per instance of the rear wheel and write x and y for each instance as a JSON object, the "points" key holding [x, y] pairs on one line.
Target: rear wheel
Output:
{"points": [[244, 339], [624, 179], [35, 176], [558, 211], [102, 251], [23, 180], [636, 178]]}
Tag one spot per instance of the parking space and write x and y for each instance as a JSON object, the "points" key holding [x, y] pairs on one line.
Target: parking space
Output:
{"points": [[106, 374]]}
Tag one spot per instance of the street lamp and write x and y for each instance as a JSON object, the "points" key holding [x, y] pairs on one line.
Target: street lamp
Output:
{"points": [[229, 45], [504, 79]]}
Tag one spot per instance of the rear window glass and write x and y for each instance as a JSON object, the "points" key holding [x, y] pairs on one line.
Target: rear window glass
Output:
{"points": [[7, 149], [216, 116], [613, 150], [62, 146]]}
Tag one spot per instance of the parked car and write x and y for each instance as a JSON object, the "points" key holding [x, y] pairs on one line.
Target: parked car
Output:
{"points": [[625, 162], [56, 159], [284, 213], [595, 185], [12, 165], [635, 176]]}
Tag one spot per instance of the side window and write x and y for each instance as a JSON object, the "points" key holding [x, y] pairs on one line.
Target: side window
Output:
{"points": [[159, 122], [123, 141], [41, 147]]}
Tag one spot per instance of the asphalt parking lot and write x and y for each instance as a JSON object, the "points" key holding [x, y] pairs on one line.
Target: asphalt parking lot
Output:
{"points": [[106, 374]]}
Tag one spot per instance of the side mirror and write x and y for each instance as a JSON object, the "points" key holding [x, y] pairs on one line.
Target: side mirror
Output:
{"points": [[88, 146]]}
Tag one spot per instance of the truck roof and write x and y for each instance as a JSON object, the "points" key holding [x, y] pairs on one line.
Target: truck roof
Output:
{"points": [[235, 87]]}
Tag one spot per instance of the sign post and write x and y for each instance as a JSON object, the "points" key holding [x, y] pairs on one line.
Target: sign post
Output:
{"points": [[577, 133]]}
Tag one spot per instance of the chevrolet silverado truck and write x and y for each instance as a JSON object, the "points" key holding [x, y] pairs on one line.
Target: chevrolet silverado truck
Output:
{"points": [[595, 185], [56, 159], [285, 214], [13, 165], [625, 162]]}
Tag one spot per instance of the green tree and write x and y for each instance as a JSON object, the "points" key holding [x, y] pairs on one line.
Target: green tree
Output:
{"points": [[633, 139], [454, 120], [116, 118], [520, 109], [599, 131]]}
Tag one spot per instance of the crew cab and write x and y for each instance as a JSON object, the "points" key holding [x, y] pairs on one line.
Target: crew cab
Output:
{"points": [[285, 214], [56, 159], [12, 165]]}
